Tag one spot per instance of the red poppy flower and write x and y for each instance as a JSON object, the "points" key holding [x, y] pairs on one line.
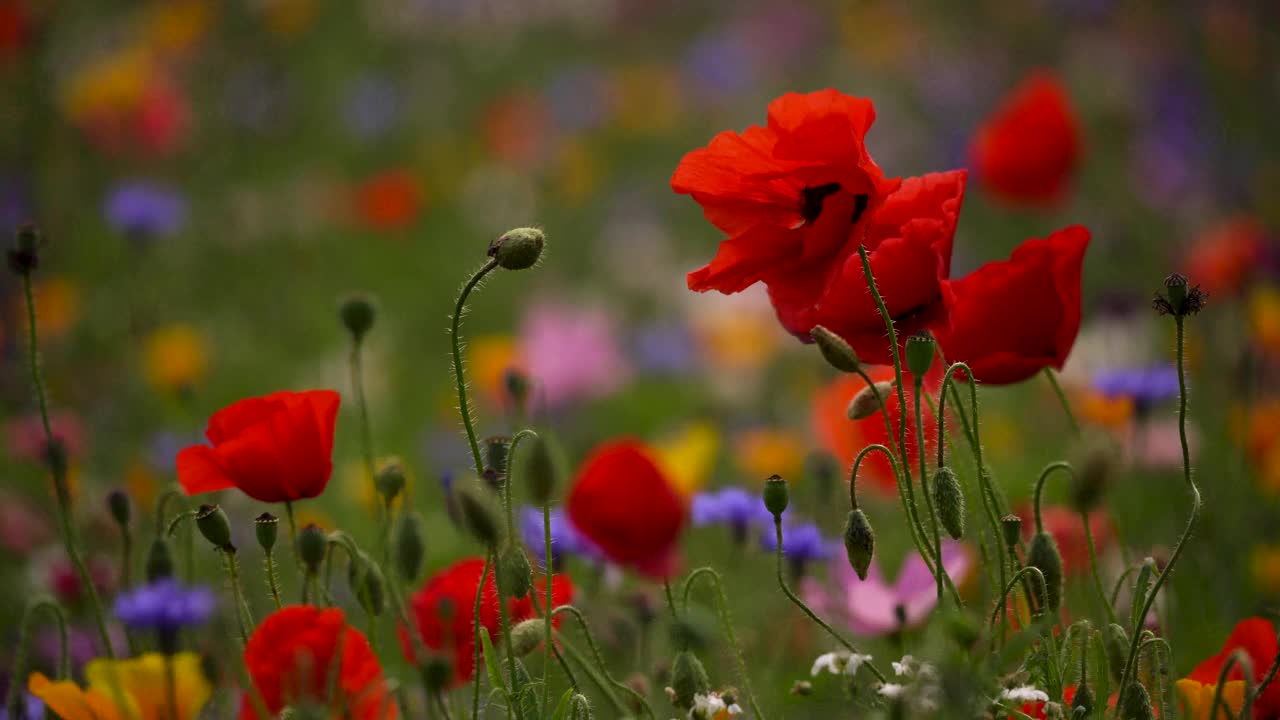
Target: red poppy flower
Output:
{"points": [[389, 201], [790, 195], [561, 594], [275, 448], [1027, 150], [13, 28], [623, 503], [290, 657], [1257, 637], [1223, 257], [444, 612], [1012, 318], [1065, 526], [845, 438], [908, 243]]}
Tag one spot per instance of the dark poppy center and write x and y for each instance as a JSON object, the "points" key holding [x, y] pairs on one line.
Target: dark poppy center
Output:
{"points": [[811, 199]]}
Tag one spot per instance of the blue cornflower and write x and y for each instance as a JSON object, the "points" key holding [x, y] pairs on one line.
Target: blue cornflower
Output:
{"points": [[145, 210], [164, 606], [32, 708], [732, 506], [802, 543], [565, 538], [1144, 386]]}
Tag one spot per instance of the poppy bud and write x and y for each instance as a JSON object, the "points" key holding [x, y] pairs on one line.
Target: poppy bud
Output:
{"points": [[1115, 641], [835, 350], [527, 635], [411, 548], [367, 584], [920, 351], [1082, 703], [1044, 556], [495, 450], [24, 257], [436, 671], [580, 708], [56, 454], [479, 515], [776, 495], [390, 479], [859, 542], [517, 573], [518, 249], [267, 527], [1011, 527], [688, 679], [358, 312], [516, 384], [159, 560], [312, 545], [1090, 480], [948, 498], [120, 507], [215, 527], [867, 402], [543, 471], [1136, 704]]}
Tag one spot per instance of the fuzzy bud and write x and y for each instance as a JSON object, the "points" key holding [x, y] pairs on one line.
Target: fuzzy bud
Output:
{"points": [[1136, 704], [120, 507], [543, 471], [1083, 702], [835, 350], [516, 385], [859, 542], [266, 526], [580, 708], [518, 249], [312, 546], [776, 495], [215, 527], [526, 636], [494, 450], [688, 679], [24, 257], [517, 573], [368, 584], [410, 546], [479, 516], [921, 348], [159, 560], [868, 400], [1115, 641], [390, 479], [948, 498], [1090, 480], [1044, 556], [1011, 528], [358, 313]]}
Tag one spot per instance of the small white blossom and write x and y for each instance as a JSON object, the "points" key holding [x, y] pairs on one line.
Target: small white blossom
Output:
{"points": [[891, 690], [1025, 694], [710, 706], [830, 662], [855, 661], [904, 666]]}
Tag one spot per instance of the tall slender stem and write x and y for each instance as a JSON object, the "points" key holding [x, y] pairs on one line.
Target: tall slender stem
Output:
{"points": [[505, 623], [170, 687], [293, 534], [272, 582], [599, 658], [58, 472], [243, 616], [18, 670], [1093, 564], [455, 346], [726, 623], [546, 610], [475, 629], [924, 487], [1052, 377]]}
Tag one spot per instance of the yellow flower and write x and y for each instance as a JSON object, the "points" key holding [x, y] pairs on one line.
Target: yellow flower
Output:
{"points": [[1199, 698], [1264, 568], [113, 84], [175, 357], [688, 456], [1102, 410], [1264, 317], [176, 25], [123, 689], [764, 451], [488, 359]]}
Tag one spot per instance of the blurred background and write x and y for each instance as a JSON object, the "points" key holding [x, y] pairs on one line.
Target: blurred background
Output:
{"points": [[212, 177]]}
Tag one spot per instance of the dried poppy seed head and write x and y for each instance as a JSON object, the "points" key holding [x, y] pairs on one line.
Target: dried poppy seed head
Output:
{"points": [[120, 506], [518, 249], [921, 348], [215, 526], [358, 312], [267, 527], [25, 257], [776, 495], [1180, 298], [390, 478]]}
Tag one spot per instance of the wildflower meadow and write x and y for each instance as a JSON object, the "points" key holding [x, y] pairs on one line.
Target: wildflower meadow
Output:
{"points": [[556, 360]]}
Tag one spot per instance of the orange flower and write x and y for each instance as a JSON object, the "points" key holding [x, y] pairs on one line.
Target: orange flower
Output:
{"points": [[391, 200], [1223, 256]]}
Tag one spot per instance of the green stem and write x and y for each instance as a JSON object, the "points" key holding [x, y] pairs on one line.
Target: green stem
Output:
{"points": [[1052, 377], [546, 610], [272, 582], [509, 507], [459, 379], [293, 535], [505, 624], [726, 623], [243, 616], [671, 603], [17, 673], [1062, 465], [1009, 587], [1236, 658], [475, 629], [1093, 564], [170, 687], [606, 683], [599, 658], [795, 599], [1257, 691], [924, 487], [59, 467]]}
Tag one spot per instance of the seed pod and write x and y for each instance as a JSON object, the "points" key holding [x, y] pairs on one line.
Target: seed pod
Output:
{"points": [[688, 679], [214, 525], [542, 470], [120, 507], [266, 526], [580, 708], [776, 495], [159, 560], [358, 312], [1011, 528], [859, 542], [312, 546], [495, 450], [865, 403], [921, 348], [479, 515], [518, 249], [367, 584], [1136, 704], [517, 573], [1044, 556], [390, 479], [948, 498], [527, 635], [1082, 703], [410, 545], [1116, 642], [835, 350]]}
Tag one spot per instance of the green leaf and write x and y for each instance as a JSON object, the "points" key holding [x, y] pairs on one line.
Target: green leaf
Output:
{"points": [[562, 707], [491, 661]]}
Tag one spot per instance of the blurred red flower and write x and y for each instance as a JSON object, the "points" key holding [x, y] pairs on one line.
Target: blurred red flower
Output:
{"points": [[13, 28], [908, 243], [790, 195], [391, 200], [25, 436], [845, 438], [1257, 638], [443, 611], [1027, 150], [1222, 257], [1013, 317], [275, 448], [1067, 529], [289, 658], [624, 503]]}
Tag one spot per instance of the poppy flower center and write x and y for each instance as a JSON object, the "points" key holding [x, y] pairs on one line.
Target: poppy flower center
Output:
{"points": [[813, 198]]}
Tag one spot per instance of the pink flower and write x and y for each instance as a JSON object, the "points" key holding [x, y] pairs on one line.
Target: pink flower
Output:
{"points": [[871, 606], [25, 436], [571, 353], [22, 527]]}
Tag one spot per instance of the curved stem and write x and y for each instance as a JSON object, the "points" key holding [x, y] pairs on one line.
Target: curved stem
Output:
{"points": [[19, 669], [1236, 658], [177, 520], [1052, 377], [606, 684], [595, 652], [671, 602], [795, 599], [1013, 582], [1093, 564], [722, 606], [506, 485], [366, 431], [1262, 686], [857, 463], [459, 378], [1062, 465], [1115, 591], [475, 629], [924, 488]]}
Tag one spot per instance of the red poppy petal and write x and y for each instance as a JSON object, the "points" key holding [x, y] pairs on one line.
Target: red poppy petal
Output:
{"points": [[200, 470]]}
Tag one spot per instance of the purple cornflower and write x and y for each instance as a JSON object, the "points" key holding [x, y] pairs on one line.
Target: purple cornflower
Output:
{"points": [[802, 543], [732, 506], [145, 210], [164, 606], [565, 538], [1144, 386]]}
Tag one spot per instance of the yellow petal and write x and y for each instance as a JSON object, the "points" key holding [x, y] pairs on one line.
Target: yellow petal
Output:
{"points": [[687, 457], [143, 681]]}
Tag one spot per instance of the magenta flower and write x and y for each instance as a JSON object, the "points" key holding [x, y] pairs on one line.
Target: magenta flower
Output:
{"points": [[875, 607], [571, 352]]}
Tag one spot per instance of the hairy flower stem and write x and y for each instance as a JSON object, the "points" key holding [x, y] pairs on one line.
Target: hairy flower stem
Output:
{"points": [[272, 581], [1132, 662], [546, 608], [726, 624], [244, 618], [58, 468], [18, 672], [475, 629], [505, 623], [782, 583], [366, 443], [293, 535], [1019, 578], [604, 668], [1052, 377], [459, 377], [941, 571], [1093, 565]]}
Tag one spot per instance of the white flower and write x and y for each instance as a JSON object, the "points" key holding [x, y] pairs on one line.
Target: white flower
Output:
{"points": [[891, 690], [1025, 694], [831, 662], [711, 705], [854, 662], [905, 666]]}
